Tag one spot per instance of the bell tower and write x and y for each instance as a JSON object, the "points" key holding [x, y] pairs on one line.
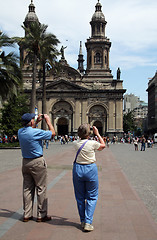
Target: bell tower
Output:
{"points": [[26, 66], [31, 15], [98, 47]]}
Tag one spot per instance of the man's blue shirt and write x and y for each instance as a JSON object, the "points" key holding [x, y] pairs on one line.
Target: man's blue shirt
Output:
{"points": [[31, 141]]}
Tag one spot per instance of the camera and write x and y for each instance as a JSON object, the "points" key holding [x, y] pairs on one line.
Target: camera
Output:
{"points": [[91, 128], [42, 116]]}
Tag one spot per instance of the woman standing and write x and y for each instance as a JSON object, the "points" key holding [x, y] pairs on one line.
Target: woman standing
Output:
{"points": [[85, 174], [136, 144]]}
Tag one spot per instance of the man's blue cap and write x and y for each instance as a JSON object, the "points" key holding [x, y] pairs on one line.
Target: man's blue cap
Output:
{"points": [[27, 117]]}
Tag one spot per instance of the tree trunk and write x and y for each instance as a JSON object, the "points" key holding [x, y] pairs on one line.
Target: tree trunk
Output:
{"points": [[33, 92], [44, 110]]}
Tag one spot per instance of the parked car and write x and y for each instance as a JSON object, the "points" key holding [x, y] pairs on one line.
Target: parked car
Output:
{"points": [[155, 138]]}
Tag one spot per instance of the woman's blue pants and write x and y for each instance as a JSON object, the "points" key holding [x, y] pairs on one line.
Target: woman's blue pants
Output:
{"points": [[85, 180]]}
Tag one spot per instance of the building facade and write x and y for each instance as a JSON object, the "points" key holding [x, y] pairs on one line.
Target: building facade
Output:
{"points": [[152, 105], [140, 117], [130, 102], [76, 96], [141, 111]]}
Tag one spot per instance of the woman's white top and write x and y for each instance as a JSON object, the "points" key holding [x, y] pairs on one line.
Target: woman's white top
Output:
{"points": [[87, 153]]}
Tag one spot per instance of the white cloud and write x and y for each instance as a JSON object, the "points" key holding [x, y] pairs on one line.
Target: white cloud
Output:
{"points": [[128, 62], [133, 23]]}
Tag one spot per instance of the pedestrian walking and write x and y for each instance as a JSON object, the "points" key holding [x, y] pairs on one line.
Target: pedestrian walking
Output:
{"points": [[136, 143], [34, 168], [143, 143], [47, 144], [108, 141], [85, 174]]}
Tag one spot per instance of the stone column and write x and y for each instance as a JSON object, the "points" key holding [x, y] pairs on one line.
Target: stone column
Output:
{"points": [[108, 59], [84, 110], [107, 125], [55, 125], [103, 58], [119, 115], [92, 59], [69, 126], [111, 117], [39, 107], [77, 116]]}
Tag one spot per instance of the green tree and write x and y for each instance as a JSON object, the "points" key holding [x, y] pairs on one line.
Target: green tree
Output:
{"points": [[5, 41], [128, 122], [11, 114], [10, 73]]}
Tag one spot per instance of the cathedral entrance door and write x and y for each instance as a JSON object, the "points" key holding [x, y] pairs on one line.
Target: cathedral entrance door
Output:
{"points": [[97, 117], [62, 126], [99, 126], [62, 115]]}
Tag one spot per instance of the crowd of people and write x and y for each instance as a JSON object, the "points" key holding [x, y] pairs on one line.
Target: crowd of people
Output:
{"points": [[142, 141], [6, 139], [65, 139], [149, 143]]}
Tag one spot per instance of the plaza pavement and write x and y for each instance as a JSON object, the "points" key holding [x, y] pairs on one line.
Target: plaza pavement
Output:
{"points": [[120, 213]]}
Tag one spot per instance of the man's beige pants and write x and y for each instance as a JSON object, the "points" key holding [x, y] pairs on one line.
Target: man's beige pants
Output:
{"points": [[34, 178]]}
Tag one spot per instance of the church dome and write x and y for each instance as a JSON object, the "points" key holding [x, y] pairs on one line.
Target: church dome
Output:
{"points": [[98, 15], [31, 15]]}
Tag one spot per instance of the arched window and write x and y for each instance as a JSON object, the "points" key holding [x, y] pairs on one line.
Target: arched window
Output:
{"points": [[97, 58], [105, 60], [98, 28]]}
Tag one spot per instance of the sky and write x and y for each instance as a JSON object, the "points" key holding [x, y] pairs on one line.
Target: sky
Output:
{"points": [[131, 28]]}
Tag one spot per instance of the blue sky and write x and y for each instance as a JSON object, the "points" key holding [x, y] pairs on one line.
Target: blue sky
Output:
{"points": [[131, 27]]}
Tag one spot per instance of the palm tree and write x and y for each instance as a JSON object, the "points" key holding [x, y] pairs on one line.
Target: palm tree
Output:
{"points": [[10, 74], [48, 56], [5, 41], [40, 47], [31, 44]]}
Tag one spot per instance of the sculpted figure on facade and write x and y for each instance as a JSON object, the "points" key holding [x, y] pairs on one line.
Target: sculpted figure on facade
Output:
{"points": [[62, 51], [118, 73]]}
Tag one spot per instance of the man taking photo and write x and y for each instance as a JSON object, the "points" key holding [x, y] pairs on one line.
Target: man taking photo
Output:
{"points": [[34, 168]]}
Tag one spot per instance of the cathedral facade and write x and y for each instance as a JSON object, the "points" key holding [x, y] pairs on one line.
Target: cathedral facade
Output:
{"points": [[76, 96]]}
